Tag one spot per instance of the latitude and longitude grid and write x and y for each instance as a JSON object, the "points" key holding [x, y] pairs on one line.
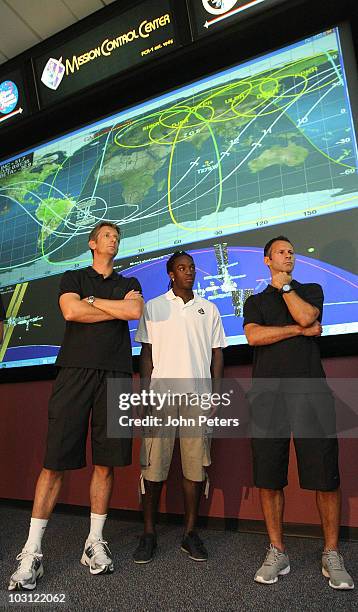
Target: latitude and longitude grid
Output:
{"points": [[82, 162]]}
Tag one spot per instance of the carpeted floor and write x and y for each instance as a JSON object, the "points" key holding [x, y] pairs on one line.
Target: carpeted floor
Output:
{"points": [[172, 582]]}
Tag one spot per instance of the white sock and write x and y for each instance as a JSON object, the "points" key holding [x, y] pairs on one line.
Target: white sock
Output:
{"points": [[37, 529], [97, 524]]}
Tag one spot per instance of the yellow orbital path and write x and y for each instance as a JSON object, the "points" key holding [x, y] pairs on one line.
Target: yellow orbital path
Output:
{"points": [[269, 93]]}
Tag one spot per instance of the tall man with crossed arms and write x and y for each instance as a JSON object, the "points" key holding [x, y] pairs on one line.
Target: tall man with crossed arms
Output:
{"points": [[97, 304], [282, 323]]}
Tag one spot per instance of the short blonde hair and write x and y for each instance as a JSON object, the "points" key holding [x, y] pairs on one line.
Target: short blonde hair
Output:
{"points": [[95, 231]]}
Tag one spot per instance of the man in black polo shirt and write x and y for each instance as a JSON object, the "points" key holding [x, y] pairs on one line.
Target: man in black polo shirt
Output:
{"points": [[97, 304], [290, 394]]}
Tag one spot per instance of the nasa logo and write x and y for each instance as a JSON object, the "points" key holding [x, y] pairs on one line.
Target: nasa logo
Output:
{"points": [[53, 72]]}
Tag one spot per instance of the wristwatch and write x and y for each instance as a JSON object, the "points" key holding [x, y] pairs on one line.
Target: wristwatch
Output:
{"points": [[91, 300], [286, 289]]}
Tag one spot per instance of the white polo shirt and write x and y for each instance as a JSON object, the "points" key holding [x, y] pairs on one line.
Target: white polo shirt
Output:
{"points": [[182, 335]]}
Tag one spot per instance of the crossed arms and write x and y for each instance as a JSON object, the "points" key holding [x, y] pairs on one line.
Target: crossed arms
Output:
{"points": [[305, 315], [75, 309]]}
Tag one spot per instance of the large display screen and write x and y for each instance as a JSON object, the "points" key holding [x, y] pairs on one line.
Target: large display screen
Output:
{"points": [[217, 168]]}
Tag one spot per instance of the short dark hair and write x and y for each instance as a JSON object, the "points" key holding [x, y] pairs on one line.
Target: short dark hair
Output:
{"points": [[268, 245], [95, 230], [172, 258], [171, 262]]}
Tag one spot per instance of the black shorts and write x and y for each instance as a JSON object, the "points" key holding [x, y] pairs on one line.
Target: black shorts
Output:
{"points": [[311, 420], [76, 393]]}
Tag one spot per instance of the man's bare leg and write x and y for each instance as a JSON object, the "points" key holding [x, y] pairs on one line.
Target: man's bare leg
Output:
{"points": [[101, 488], [276, 562], [192, 494], [272, 503], [100, 494], [150, 503], [47, 490], [191, 543], [329, 507]]}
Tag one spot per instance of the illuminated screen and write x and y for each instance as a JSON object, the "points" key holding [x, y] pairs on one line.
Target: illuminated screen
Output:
{"points": [[217, 167]]}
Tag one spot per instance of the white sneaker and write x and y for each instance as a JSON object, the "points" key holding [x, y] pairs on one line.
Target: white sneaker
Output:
{"points": [[97, 556], [28, 571]]}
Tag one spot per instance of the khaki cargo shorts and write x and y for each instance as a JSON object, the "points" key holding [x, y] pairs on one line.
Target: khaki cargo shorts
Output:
{"points": [[157, 450]]}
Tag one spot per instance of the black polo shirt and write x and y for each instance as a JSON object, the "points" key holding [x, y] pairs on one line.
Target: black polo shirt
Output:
{"points": [[296, 357], [2, 311], [105, 345]]}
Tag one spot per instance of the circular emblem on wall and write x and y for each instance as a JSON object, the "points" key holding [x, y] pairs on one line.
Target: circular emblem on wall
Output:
{"points": [[9, 97], [218, 7]]}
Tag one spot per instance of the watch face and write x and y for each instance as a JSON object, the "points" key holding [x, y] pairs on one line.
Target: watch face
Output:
{"points": [[286, 288]]}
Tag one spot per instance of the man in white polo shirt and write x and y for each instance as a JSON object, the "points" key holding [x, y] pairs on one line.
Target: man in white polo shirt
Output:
{"points": [[182, 338]]}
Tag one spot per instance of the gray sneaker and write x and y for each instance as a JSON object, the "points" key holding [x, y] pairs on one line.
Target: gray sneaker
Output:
{"points": [[276, 564], [333, 568]]}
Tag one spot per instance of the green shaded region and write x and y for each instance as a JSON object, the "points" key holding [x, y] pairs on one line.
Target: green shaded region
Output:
{"points": [[52, 212], [292, 155], [27, 180], [302, 66], [136, 171]]}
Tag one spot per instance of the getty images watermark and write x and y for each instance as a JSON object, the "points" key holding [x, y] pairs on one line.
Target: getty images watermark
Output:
{"points": [[233, 408], [174, 409]]}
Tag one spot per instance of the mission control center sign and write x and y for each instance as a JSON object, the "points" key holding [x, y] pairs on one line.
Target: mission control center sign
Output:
{"points": [[141, 33]]}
